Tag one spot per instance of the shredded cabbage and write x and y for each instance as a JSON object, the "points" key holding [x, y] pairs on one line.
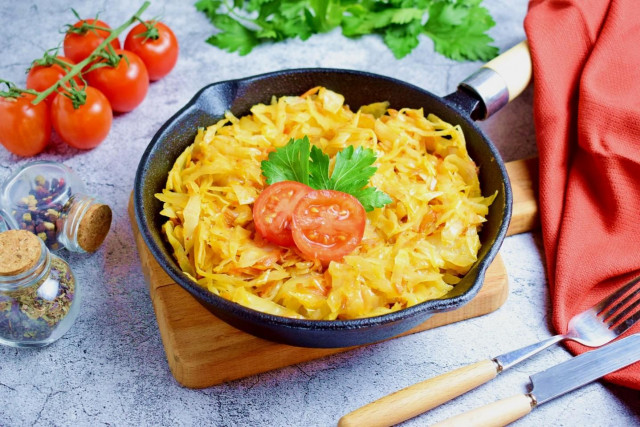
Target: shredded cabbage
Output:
{"points": [[414, 249]]}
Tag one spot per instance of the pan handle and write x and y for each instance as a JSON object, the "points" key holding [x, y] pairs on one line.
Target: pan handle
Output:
{"points": [[501, 80]]}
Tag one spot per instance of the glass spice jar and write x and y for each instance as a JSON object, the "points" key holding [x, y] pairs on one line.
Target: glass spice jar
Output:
{"points": [[39, 298], [4, 225], [48, 199]]}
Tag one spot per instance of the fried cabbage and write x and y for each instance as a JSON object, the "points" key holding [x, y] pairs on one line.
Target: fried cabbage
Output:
{"points": [[414, 249]]}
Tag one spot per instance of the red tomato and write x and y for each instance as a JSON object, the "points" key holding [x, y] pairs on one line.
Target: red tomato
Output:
{"points": [[125, 85], [78, 46], [25, 128], [272, 210], [86, 126], [159, 54], [42, 77], [327, 224]]}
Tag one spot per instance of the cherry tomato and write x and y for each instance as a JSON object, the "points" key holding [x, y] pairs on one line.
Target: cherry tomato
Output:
{"points": [[327, 224], [86, 126], [125, 85], [159, 53], [272, 210], [42, 77], [25, 128], [78, 46]]}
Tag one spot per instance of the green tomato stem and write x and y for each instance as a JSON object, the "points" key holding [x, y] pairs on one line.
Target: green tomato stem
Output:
{"points": [[13, 91], [80, 65], [85, 28], [64, 64], [151, 32]]}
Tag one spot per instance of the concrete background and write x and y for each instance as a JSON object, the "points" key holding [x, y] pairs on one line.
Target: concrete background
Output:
{"points": [[110, 368]]}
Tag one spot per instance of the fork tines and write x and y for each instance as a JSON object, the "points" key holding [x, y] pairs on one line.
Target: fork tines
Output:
{"points": [[626, 299]]}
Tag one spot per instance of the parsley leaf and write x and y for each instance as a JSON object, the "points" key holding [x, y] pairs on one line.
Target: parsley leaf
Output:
{"points": [[234, 36], [319, 172], [208, 7], [402, 39], [324, 15], [352, 169], [371, 198], [299, 161], [458, 27], [288, 163], [458, 30]]}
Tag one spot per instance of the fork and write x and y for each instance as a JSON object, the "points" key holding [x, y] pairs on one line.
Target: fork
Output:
{"points": [[593, 327]]}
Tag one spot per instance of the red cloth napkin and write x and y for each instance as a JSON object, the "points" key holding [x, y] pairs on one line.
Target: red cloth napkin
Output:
{"points": [[586, 67]]}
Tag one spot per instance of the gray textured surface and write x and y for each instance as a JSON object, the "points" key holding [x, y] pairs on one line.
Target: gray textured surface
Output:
{"points": [[110, 368]]}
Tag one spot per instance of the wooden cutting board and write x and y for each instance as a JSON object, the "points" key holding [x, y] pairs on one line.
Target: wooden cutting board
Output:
{"points": [[203, 351]]}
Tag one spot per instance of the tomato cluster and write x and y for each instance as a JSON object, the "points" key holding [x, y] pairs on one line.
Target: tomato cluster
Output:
{"points": [[322, 224], [81, 110]]}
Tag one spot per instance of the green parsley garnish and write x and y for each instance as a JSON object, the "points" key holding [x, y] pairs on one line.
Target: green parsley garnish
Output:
{"points": [[302, 162], [458, 28]]}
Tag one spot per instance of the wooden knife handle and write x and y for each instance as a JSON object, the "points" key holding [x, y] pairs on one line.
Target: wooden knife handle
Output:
{"points": [[495, 414], [420, 397]]}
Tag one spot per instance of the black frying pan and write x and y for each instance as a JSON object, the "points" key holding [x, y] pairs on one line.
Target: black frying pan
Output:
{"points": [[358, 88]]}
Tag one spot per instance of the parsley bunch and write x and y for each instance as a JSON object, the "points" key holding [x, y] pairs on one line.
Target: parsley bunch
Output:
{"points": [[302, 162], [458, 28]]}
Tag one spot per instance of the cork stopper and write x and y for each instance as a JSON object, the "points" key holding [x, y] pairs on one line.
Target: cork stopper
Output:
{"points": [[20, 250], [94, 227]]}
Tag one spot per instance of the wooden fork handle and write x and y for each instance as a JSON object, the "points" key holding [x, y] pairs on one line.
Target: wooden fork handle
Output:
{"points": [[420, 397], [495, 414]]}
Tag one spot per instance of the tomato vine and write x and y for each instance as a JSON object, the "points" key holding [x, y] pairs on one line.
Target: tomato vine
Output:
{"points": [[83, 88], [77, 68]]}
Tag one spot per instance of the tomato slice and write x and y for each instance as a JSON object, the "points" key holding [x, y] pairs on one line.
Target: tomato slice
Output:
{"points": [[327, 224], [272, 210]]}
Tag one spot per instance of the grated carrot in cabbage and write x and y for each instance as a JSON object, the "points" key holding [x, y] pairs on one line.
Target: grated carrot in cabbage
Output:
{"points": [[414, 249]]}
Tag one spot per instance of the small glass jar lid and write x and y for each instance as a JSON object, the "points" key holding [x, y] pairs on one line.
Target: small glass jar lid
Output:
{"points": [[19, 252]]}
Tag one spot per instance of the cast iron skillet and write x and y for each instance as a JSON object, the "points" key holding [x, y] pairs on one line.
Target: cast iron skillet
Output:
{"points": [[358, 88]]}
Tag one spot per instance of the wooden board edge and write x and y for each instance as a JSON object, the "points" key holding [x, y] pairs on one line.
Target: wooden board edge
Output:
{"points": [[523, 175], [260, 355]]}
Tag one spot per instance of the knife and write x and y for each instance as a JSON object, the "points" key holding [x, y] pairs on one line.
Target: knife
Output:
{"points": [[553, 382]]}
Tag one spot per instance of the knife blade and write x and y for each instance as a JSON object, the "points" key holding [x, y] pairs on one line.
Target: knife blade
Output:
{"points": [[583, 369], [553, 382]]}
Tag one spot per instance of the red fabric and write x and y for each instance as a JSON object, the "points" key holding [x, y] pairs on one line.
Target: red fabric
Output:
{"points": [[586, 68]]}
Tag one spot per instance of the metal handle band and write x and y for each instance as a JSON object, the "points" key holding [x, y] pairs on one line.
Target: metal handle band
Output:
{"points": [[490, 87]]}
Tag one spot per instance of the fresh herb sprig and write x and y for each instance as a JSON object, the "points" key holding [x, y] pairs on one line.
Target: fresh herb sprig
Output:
{"points": [[458, 28], [302, 162]]}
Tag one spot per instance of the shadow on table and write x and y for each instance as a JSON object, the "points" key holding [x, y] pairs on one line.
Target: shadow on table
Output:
{"points": [[628, 396]]}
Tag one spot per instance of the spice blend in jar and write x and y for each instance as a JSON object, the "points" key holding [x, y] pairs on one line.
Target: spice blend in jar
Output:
{"points": [[49, 200], [38, 292], [40, 211]]}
